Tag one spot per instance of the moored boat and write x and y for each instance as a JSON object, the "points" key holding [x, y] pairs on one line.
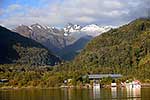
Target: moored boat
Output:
{"points": [[132, 84], [96, 86]]}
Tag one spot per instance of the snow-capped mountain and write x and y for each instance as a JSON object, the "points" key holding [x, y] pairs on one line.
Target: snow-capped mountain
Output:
{"points": [[72, 28], [58, 40], [91, 30], [95, 30], [50, 37], [77, 31]]}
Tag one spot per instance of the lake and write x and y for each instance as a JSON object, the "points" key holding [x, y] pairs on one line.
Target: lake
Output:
{"points": [[76, 94]]}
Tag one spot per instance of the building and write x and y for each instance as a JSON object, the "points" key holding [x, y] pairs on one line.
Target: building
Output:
{"points": [[96, 79], [100, 76], [4, 80]]}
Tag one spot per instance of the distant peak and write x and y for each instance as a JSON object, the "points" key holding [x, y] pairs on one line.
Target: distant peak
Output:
{"points": [[70, 24], [69, 28], [22, 25], [37, 25]]}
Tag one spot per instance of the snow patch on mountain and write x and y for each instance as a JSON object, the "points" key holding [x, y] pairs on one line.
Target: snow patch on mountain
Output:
{"points": [[57, 39], [70, 28], [91, 30], [95, 30], [60, 37]]}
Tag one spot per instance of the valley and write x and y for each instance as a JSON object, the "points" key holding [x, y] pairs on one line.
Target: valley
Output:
{"points": [[59, 40], [124, 50]]}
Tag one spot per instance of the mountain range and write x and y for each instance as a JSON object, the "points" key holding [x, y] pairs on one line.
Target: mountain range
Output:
{"points": [[22, 50], [59, 40], [123, 50]]}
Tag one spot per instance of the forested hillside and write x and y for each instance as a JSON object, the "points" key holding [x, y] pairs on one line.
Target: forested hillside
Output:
{"points": [[17, 49], [125, 50]]}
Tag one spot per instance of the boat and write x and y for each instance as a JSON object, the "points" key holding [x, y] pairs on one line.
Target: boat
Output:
{"points": [[113, 84], [132, 84], [96, 86]]}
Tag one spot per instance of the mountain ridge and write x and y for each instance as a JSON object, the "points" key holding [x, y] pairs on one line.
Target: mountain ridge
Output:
{"points": [[125, 50], [119, 43], [18, 49], [56, 39]]}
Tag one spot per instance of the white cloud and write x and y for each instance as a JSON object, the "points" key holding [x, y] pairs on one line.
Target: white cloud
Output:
{"points": [[14, 7], [84, 19], [1, 11], [105, 12], [112, 4]]}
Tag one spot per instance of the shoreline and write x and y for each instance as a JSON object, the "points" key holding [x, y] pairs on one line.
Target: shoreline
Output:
{"points": [[144, 85]]}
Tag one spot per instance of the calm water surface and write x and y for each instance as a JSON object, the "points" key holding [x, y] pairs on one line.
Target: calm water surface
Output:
{"points": [[76, 94]]}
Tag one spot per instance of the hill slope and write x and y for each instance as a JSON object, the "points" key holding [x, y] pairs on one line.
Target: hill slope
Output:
{"points": [[125, 50], [59, 40], [69, 52], [18, 49], [124, 46]]}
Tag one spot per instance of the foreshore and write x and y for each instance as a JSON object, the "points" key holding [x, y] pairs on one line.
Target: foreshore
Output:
{"points": [[28, 87], [36, 87], [145, 85]]}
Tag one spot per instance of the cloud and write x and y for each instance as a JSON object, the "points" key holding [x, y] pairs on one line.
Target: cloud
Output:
{"points": [[60, 12], [84, 19], [146, 7], [14, 7], [1, 12]]}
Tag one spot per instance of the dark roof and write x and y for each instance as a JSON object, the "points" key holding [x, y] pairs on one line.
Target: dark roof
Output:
{"points": [[98, 76], [4, 80]]}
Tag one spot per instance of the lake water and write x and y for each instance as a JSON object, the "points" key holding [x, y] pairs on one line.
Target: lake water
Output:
{"points": [[76, 94]]}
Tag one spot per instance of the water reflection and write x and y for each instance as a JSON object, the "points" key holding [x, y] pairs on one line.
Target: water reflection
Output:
{"points": [[76, 94], [96, 93], [114, 92], [134, 93], [65, 93], [137, 92]]}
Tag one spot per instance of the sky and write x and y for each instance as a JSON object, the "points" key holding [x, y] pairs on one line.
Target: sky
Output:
{"points": [[60, 12]]}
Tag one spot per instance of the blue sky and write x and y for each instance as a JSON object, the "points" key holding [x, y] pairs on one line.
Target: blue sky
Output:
{"points": [[61, 12], [34, 3]]}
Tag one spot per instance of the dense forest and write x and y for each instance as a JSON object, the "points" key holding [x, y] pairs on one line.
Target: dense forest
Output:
{"points": [[125, 50], [15, 48]]}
